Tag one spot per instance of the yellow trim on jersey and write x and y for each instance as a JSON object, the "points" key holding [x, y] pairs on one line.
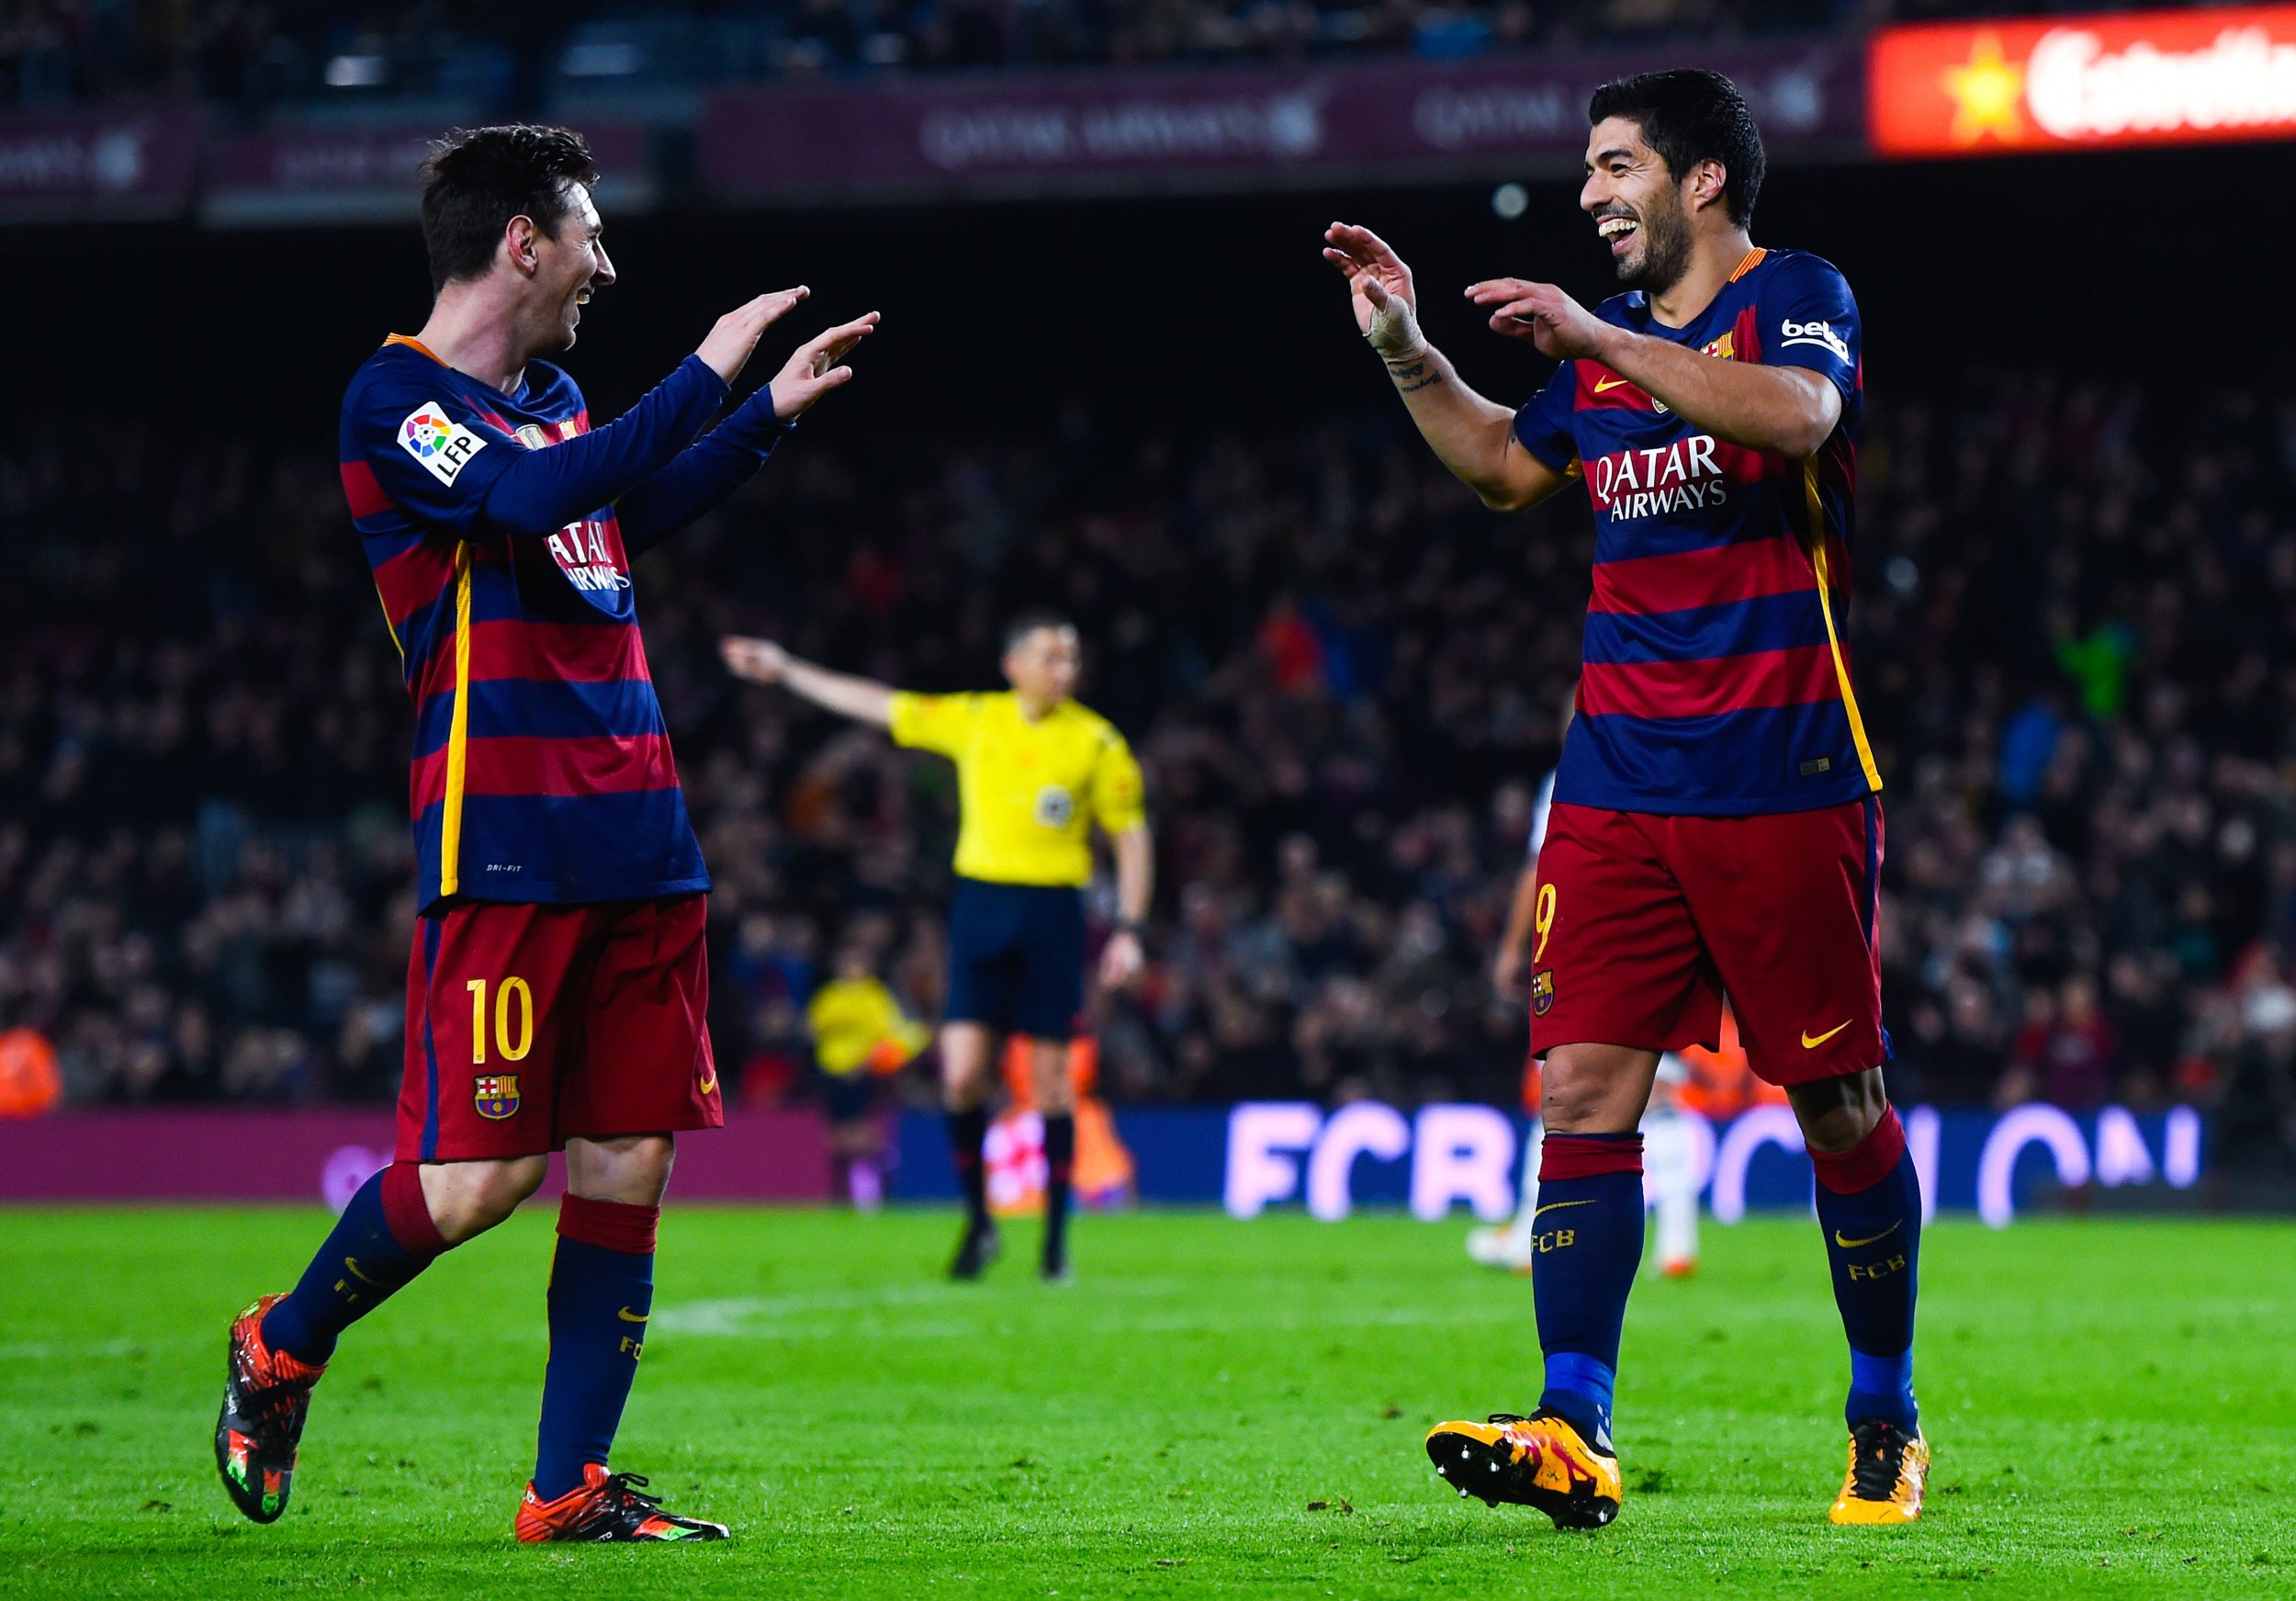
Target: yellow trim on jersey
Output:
{"points": [[390, 628], [1746, 264], [1816, 508], [457, 735]]}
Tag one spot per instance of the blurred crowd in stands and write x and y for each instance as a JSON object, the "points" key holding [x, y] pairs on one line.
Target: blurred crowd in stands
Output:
{"points": [[1345, 682], [515, 54]]}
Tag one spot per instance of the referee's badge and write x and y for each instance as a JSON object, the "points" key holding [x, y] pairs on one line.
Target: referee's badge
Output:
{"points": [[1542, 991], [495, 1095], [1055, 807]]}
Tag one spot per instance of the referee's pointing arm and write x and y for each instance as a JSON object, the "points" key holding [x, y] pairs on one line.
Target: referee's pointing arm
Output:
{"points": [[763, 661]]}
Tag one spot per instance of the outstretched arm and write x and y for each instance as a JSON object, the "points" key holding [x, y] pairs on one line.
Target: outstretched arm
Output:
{"points": [[537, 493], [1788, 410], [1474, 436], [763, 661], [729, 454]]}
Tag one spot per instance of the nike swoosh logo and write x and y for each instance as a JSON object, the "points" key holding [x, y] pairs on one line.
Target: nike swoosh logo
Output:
{"points": [[1556, 1206], [1608, 383], [352, 1264], [709, 1083], [626, 1316], [1849, 1245], [1811, 1045]]}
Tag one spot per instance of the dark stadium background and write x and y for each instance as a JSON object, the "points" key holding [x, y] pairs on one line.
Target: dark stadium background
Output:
{"points": [[2010, 305]]}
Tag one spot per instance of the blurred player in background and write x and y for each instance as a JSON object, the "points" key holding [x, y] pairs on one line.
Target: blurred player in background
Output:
{"points": [[1669, 1174], [558, 986], [1715, 825], [860, 1037], [1035, 771]]}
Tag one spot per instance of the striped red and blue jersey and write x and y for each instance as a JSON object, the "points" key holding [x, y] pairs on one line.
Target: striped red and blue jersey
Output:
{"points": [[1717, 677], [541, 767]]}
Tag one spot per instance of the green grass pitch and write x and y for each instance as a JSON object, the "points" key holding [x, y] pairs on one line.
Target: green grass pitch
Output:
{"points": [[1216, 1409]]}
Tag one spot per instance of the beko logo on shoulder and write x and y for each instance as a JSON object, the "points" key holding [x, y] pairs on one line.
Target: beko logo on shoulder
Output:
{"points": [[1814, 334]]}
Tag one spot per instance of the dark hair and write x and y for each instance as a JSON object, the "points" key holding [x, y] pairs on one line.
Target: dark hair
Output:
{"points": [[1027, 621], [475, 179], [1688, 116]]}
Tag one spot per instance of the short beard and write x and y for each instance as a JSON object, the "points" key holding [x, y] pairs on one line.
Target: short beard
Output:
{"points": [[1665, 253]]}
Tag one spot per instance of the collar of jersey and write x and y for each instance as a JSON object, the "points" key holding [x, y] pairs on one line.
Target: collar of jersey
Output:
{"points": [[1639, 302], [527, 391]]}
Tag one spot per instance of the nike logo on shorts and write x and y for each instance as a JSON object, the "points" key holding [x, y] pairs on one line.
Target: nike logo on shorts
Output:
{"points": [[1811, 1045]]}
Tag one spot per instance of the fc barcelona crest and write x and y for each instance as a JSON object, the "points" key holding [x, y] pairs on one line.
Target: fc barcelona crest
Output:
{"points": [[1542, 994], [495, 1095]]}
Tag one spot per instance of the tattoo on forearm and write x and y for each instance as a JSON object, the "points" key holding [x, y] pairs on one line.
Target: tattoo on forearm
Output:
{"points": [[1413, 375]]}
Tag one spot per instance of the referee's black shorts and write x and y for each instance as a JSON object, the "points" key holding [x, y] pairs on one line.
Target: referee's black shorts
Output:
{"points": [[1017, 957]]}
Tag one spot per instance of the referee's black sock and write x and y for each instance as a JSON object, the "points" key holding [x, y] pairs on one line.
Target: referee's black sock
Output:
{"points": [[1060, 1169], [967, 1130]]}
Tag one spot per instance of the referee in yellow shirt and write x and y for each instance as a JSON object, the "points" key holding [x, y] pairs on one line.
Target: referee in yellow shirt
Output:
{"points": [[1035, 770]]}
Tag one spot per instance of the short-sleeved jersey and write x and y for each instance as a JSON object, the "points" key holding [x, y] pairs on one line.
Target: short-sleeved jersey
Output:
{"points": [[541, 765], [1717, 677], [1027, 794]]}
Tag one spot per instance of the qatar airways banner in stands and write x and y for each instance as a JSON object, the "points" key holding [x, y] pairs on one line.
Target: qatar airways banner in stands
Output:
{"points": [[357, 174], [1441, 1159], [1207, 128], [89, 166], [2084, 83]]}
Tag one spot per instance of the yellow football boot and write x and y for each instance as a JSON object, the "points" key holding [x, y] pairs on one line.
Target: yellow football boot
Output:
{"points": [[1889, 1469], [1538, 1461]]}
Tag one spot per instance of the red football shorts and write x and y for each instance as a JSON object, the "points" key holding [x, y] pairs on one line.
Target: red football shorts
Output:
{"points": [[528, 1025], [1642, 923]]}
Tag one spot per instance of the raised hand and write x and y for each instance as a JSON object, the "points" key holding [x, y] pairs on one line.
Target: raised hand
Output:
{"points": [[757, 660], [1379, 287], [728, 348], [814, 371], [1558, 326]]}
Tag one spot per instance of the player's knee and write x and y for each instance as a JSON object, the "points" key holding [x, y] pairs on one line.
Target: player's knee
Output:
{"points": [[633, 1169], [963, 1067], [1836, 1114], [1590, 1090], [466, 1198]]}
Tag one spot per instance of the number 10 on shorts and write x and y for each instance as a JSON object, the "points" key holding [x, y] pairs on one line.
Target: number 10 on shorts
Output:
{"points": [[510, 996]]}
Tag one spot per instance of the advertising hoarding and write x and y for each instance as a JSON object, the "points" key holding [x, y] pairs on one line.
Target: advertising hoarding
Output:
{"points": [[2082, 83]]}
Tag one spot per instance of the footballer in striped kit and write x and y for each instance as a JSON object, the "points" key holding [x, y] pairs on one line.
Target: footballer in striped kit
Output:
{"points": [[558, 986], [1715, 826]]}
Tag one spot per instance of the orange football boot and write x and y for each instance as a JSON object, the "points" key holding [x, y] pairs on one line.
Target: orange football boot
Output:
{"points": [[607, 1506], [1890, 1470], [1540, 1461]]}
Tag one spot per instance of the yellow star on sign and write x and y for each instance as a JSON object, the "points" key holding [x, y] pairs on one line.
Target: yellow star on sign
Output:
{"points": [[1987, 91]]}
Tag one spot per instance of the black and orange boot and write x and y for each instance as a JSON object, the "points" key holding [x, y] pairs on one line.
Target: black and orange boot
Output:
{"points": [[607, 1506], [1540, 1461], [266, 1397], [1889, 1472]]}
